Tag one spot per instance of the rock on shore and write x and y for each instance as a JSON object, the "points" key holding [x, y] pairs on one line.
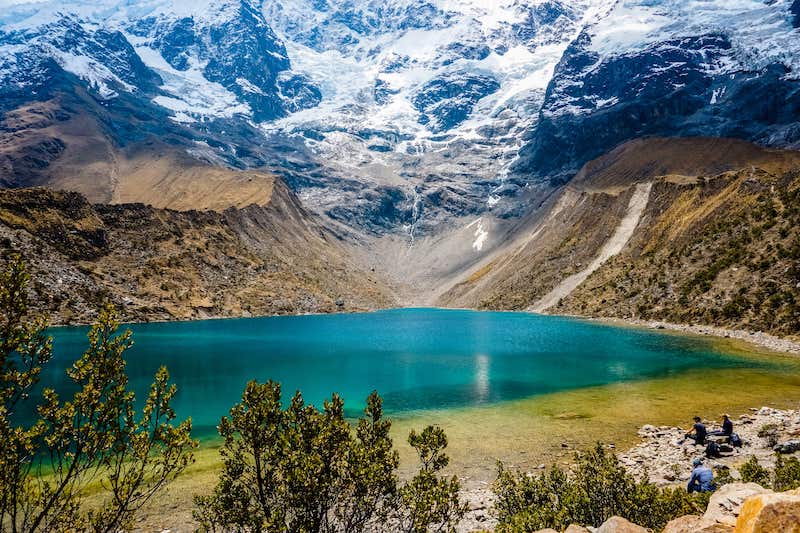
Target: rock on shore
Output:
{"points": [[665, 456]]}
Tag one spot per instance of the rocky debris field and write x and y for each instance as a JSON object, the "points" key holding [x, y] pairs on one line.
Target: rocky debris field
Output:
{"points": [[665, 456]]}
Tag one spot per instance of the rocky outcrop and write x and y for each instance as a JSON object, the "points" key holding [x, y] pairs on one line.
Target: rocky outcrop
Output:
{"points": [[768, 513], [665, 455], [447, 101], [574, 528], [726, 503], [695, 524], [617, 524]]}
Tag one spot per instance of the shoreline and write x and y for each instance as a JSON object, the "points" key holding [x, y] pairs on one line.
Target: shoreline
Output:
{"points": [[756, 338], [663, 457]]}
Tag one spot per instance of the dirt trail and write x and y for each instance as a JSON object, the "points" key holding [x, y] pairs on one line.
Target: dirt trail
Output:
{"points": [[612, 247]]}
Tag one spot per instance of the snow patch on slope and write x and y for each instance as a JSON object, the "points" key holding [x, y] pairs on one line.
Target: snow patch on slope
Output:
{"points": [[188, 92]]}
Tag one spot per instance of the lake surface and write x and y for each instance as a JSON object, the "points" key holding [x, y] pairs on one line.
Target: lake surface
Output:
{"points": [[420, 360]]}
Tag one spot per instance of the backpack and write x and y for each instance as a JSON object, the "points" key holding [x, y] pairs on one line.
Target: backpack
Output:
{"points": [[735, 440], [712, 450]]}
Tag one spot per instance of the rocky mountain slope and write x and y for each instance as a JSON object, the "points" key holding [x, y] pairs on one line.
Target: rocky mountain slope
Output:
{"points": [[406, 118], [159, 264], [714, 240]]}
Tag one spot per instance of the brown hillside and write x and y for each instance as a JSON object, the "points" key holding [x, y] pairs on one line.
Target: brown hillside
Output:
{"points": [[644, 159], [158, 264], [721, 249], [62, 145]]}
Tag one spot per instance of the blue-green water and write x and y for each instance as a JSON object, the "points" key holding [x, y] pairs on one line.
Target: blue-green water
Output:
{"points": [[417, 359]]}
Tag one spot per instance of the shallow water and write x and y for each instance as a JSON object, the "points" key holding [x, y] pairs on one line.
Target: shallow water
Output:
{"points": [[509, 386]]}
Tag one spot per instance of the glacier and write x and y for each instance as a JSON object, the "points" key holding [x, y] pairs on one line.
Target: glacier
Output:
{"points": [[403, 116]]}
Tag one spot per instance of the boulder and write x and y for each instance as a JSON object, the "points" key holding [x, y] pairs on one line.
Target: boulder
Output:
{"points": [[696, 524], [617, 524], [575, 528], [790, 446], [766, 513], [726, 503]]}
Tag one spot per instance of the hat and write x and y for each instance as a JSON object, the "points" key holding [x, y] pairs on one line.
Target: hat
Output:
{"points": [[726, 415], [697, 462]]}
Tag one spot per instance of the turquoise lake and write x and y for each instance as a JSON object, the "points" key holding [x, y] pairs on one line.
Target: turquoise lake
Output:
{"points": [[418, 359]]}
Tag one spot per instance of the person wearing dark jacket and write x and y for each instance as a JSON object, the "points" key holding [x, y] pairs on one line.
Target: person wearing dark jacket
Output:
{"points": [[727, 427], [702, 479], [698, 433]]}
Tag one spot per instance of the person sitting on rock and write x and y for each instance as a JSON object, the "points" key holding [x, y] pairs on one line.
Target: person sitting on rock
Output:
{"points": [[702, 479], [727, 428], [698, 432]]}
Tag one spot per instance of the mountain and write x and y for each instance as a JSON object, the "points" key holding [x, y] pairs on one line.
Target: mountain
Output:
{"points": [[162, 264], [424, 135], [670, 68], [693, 230]]}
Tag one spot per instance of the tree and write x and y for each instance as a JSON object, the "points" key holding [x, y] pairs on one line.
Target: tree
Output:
{"points": [[95, 436], [430, 502], [300, 469]]}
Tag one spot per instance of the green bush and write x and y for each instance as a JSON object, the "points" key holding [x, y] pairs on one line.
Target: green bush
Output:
{"points": [[786, 475], [93, 435], [769, 432], [300, 469], [598, 488], [752, 472]]}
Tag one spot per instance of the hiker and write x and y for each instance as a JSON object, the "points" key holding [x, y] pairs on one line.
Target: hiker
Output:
{"points": [[698, 432], [727, 428], [702, 479]]}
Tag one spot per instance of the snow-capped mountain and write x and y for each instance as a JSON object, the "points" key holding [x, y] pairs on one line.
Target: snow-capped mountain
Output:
{"points": [[672, 68], [402, 115]]}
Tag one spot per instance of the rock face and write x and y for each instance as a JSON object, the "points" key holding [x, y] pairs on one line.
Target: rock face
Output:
{"points": [[726, 503], [789, 446], [574, 528], [617, 524], [696, 524], [767, 513], [447, 101], [679, 75]]}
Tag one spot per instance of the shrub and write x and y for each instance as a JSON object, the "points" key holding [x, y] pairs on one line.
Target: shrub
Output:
{"points": [[599, 487], [300, 469], [429, 502], [752, 472], [47, 465], [769, 432], [786, 475]]}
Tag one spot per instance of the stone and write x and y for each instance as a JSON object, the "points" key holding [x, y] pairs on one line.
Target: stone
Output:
{"points": [[790, 446], [575, 528], [767, 513], [726, 503], [696, 524], [548, 530], [617, 524]]}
